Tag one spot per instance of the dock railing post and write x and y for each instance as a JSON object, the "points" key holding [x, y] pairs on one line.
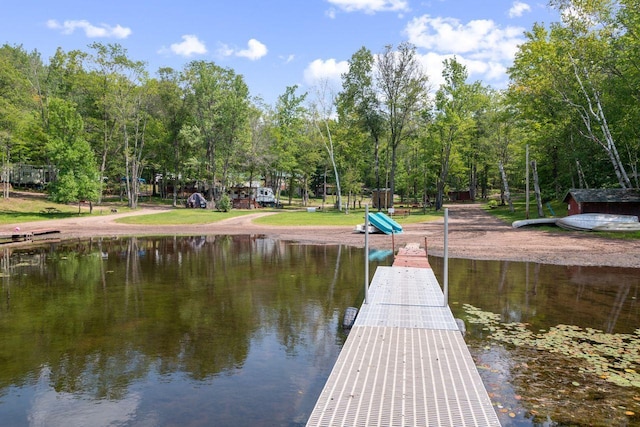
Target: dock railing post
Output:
{"points": [[445, 301], [366, 253]]}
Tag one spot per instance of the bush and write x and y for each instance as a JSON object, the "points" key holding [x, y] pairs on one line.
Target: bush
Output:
{"points": [[224, 204]]}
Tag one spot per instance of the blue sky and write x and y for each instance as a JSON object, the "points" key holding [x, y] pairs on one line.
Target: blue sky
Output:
{"points": [[280, 43]]}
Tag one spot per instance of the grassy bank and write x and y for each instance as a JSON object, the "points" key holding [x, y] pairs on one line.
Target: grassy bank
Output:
{"points": [[26, 207]]}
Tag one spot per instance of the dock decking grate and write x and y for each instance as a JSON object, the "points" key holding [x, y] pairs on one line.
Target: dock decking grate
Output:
{"points": [[406, 297], [404, 363]]}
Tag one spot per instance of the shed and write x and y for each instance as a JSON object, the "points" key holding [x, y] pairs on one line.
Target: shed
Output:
{"points": [[610, 200], [460, 196], [381, 198]]}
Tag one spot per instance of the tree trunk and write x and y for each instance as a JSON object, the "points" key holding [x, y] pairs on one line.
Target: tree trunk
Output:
{"points": [[536, 188], [505, 184], [581, 178]]}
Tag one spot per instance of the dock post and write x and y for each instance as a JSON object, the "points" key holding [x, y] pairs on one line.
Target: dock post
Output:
{"points": [[445, 301], [366, 253]]}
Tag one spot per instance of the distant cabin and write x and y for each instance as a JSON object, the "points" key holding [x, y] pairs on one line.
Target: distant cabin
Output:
{"points": [[460, 196], [610, 201], [381, 198]]}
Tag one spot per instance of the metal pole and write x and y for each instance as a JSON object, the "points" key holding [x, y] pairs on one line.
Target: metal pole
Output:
{"points": [[393, 243], [445, 301], [366, 253]]}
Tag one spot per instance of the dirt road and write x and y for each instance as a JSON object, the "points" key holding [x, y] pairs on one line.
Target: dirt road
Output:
{"points": [[473, 234]]}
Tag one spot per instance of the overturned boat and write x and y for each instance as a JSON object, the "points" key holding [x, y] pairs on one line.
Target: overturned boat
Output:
{"points": [[596, 221], [535, 221]]}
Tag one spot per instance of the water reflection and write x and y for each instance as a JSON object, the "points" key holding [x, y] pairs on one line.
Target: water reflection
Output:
{"points": [[604, 298], [564, 344], [230, 330], [235, 330]]}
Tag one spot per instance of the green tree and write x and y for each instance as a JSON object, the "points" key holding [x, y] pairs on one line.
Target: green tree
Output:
{"points": [[16, 109], [171, 111], [404, 88], [359, 108], [454, 125], [256, 154], [289, 136], [219, 104], [77, 175], [570, 72]]}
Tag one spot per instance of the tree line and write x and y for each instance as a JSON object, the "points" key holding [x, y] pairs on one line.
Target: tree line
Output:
{"points": [[100, 118]]}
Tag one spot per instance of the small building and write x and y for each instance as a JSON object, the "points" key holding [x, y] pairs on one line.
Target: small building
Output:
{"points": [[610, 201], [460, 196], [381, 198]]}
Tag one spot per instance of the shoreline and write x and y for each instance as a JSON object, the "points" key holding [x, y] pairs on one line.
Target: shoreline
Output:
{"points": [[473, 234]]}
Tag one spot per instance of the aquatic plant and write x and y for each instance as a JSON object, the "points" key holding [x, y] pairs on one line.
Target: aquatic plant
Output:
{"points": [[612, 357]]}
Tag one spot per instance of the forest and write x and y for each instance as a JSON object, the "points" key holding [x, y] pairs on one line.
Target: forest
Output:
{"points": [[101, 124]]}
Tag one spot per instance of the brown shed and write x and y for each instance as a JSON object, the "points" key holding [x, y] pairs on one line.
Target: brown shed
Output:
{"points": [[611, 201], [381, 198], [460, 196]]}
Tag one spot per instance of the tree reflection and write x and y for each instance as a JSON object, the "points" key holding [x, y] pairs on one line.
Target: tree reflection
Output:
{"points": [[102, 313]]}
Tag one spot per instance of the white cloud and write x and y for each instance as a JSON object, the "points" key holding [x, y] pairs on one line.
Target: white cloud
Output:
{"points": [[481, 45], [518, 9], [224, 50], [90, 30], [370, 6], [432, 63], [255, 50], [329, 70], [287, 59], [189, 46]]}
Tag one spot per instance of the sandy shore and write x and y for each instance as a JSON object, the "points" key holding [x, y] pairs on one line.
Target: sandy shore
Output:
{"points": [[473, 234]]}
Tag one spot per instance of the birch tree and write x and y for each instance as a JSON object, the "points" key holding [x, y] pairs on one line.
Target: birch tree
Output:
{"points": [[575, 61], [322, 113]]}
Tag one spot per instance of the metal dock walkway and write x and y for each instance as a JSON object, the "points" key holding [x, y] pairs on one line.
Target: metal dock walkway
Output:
{"points": [[405, 362]]}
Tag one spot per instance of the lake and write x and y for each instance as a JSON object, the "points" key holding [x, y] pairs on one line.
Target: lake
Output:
{"points": [[244, 330]]}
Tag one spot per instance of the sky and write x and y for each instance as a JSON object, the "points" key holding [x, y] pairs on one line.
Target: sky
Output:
{"points": [[279, 43]]}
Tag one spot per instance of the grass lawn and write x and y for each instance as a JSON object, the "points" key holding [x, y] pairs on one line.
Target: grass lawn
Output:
{"points": [[335, 217], [183, 216], [37, 208], [558, 208], [283, 218]]}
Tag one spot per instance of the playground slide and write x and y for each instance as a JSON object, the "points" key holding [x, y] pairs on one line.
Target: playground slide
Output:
{"points": [[380, 224], [397, 228]]}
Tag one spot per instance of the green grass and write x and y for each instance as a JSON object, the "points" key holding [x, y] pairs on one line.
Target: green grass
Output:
{"points": [[519, 210], [333, 217], [182, 216], [32, 208]]}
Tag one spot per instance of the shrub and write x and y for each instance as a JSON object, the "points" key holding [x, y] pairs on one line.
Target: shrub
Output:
{"points": [[224, 204]]}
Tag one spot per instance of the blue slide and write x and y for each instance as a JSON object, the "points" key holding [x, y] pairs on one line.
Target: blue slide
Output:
{"points": [[380, 224], [385, 224], [397, 228]]}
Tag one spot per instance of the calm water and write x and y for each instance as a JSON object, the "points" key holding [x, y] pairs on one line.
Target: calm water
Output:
{"points": [[229, 331]]}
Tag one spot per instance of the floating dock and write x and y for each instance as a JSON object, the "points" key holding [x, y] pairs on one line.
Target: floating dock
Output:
{"points": [[405, 362], [27, 236]]}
